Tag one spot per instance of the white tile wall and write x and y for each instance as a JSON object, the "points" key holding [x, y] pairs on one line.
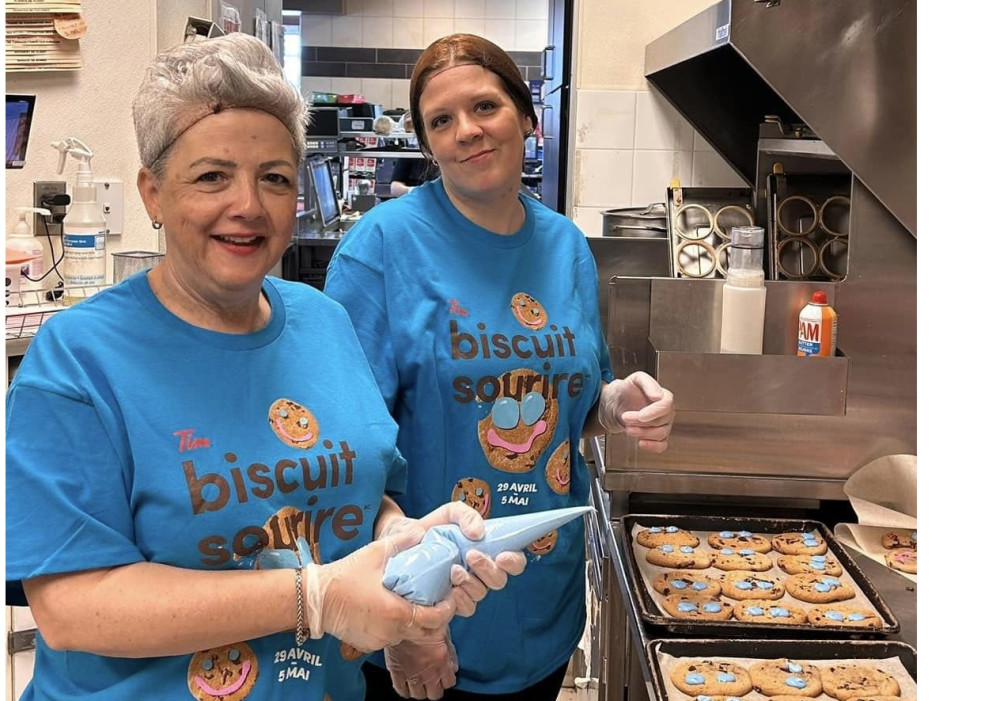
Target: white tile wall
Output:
{"points": [[603, 177], [709, 169], [515, 25], [439, 8], [530, 34], [470, 25], [378, 90], [408, 8], [470, 9], [652, 172], [316, 30], [311, 83], [589, 220], [659, 126], [629, 145], [501, 32], [605, 119], [347, 31], [500, 9], [400, 94], [531, 9], [407, 33], [345, 85], [377, 31], [437, 27]]}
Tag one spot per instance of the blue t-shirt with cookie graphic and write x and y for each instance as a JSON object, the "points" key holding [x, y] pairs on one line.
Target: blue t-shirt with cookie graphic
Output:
{"points": [[489, 351], [133, 436]]}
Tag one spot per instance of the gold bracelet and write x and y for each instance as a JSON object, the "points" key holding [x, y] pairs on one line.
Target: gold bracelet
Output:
{"points": [[301, 634]]}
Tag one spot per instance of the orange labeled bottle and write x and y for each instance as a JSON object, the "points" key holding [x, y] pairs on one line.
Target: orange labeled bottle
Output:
{"points": [[817, 328]]}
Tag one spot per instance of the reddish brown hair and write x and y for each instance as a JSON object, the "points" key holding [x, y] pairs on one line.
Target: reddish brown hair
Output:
{"points": [[458, 49]]}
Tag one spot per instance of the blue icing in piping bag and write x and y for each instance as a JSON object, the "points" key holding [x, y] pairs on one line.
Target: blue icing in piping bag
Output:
{"points": [[422, 574]]}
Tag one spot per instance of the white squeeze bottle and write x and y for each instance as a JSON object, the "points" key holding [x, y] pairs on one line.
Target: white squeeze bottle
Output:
{"points": [[84, 228], [20, 239], [744, 294]]}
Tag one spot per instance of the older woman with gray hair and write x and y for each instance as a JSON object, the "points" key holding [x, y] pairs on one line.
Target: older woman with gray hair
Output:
{"points": [[198, 458]]}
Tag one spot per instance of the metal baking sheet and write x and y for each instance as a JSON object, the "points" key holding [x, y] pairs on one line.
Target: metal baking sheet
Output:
{"points": [[859, 650], [652, 614]]}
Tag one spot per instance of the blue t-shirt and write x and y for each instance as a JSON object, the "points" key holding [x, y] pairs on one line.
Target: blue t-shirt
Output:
{"points": [[133, 436], [489, 351]]}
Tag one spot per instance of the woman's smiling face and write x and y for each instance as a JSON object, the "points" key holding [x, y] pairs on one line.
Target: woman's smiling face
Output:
{"points": [[227, 201], [474, 131]]}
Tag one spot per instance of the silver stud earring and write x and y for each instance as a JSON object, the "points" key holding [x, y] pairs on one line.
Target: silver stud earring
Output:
{"points": [[157, 225]]}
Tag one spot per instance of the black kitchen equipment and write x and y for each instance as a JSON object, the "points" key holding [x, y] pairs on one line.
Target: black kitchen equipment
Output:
{"points": [[804, 650], [651, 613]]}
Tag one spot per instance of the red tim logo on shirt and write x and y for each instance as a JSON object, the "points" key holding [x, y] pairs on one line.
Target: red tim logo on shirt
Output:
{"points": [[188, 441], [456, 308]]}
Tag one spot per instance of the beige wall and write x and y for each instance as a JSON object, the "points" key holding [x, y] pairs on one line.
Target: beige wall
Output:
{"points": [[613, 35], [94, 104], [627, 141]]}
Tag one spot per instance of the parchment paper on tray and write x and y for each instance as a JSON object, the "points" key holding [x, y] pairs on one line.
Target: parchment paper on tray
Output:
{"points": [[893, 666], [883, 494]]}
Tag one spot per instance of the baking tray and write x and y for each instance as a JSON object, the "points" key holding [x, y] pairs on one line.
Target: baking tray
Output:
{"points": [[651, 613], [774, 649]]}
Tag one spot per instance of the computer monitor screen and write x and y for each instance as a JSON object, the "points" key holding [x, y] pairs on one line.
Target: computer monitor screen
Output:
{"points": [[20, 109], [326, 194]]}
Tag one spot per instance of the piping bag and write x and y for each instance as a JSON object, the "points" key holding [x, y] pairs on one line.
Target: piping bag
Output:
{"points": [[422, 574]]}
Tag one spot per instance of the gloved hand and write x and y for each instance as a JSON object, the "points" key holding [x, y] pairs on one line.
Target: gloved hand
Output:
{"points": [[640, 407], [346, 599], [422, 669], [484, 573]]}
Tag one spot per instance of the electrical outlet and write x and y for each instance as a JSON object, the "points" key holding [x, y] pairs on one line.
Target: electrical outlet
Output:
{"points": [[43, 188], [111, 200]]}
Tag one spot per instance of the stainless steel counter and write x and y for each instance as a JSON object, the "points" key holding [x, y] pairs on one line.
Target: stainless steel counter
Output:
{"points": [[624, 671]]}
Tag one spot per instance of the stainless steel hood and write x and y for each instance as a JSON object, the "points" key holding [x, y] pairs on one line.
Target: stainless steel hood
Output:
{"points": [[848, 70]]}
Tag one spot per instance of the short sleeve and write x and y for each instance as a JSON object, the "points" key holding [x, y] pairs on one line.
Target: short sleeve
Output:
{"points": [[589, 285], [67, 502], [356, 279]]}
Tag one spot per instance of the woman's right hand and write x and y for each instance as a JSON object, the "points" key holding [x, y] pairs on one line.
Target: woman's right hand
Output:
{"points": [[346, 599]]}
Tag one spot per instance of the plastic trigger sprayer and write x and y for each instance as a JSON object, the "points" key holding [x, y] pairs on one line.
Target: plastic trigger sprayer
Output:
{"points": [[84, 228]]}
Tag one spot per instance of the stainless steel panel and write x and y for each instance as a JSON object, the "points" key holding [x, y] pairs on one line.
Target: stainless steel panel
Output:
{"points": [[765, 384], [626, 255], [762, 453], [847, 69]]}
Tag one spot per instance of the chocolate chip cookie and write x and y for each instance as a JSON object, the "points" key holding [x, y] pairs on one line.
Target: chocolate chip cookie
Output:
{"points": [[761, 611], [848, 681], [697, 607], [656, 536], [738, 540], [742, 559], [741, 584], [818, 588], [843, 616], [710, 677], [686, 583], [796, 543], [784, 676], [817, 564], [681, 557]]}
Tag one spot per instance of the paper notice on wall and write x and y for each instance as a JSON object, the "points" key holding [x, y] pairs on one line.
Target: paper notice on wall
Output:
{"points": [[33, 42]]}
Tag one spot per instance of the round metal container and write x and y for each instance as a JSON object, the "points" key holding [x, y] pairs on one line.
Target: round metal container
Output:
{"points": [[645, 222]]}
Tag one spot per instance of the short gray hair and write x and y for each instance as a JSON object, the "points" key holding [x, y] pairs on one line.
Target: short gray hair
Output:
{"points": [[191, 81]]}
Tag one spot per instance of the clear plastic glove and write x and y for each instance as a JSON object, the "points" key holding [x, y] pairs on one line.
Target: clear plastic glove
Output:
{"points": [[422, 669], [640, 407], [346, 599], [484, 573]]}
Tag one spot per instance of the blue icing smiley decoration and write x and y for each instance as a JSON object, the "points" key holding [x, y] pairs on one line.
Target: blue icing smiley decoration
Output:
{"points": [[725, 677], [796, 682], [667, 548], [694, 678], [779, 612], [794, 667], [687, 549], [827, 584]]}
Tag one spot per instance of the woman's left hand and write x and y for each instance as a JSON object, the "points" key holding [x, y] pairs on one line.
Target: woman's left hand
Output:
{"points": [[468, 586], [639, 407]]}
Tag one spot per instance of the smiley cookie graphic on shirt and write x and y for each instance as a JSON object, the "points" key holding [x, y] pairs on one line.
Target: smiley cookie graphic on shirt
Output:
{"points": [[475, 493], [293, 424], [225, 673], [520, 425], [528, 312]]}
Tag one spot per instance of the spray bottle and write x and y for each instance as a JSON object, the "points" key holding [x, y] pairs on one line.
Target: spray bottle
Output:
{"points": [[84, 228], [20, 239]]}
